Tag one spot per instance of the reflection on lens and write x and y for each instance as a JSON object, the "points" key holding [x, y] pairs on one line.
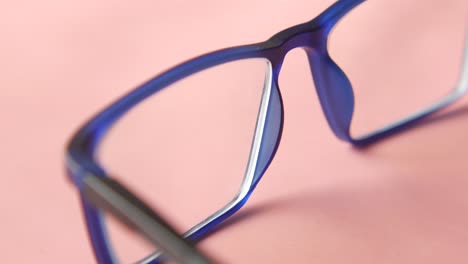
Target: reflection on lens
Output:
{"points": [[400, 56], [185, 149]]}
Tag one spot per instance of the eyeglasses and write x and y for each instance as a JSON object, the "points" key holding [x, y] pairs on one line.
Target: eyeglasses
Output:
{"points": [[99, 192]]}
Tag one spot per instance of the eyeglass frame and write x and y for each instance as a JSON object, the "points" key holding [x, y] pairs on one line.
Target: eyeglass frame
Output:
{"points": [[336, 98]]}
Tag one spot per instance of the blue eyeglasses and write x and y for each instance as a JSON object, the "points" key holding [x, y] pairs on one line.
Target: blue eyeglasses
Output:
{"points": [[99, 192]]}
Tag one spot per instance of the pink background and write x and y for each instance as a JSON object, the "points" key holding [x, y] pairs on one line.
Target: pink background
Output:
{"points": [[403, 200]]}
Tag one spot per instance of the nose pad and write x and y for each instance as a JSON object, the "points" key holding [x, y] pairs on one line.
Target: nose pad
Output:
{"points": [[272, 130], [334, 91]]}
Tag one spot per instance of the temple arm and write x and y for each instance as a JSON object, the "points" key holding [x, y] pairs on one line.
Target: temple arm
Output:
{"points": [[110, 195]]}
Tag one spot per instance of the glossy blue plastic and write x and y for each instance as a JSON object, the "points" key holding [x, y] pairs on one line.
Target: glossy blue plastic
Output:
{"points": [[333, 87]]}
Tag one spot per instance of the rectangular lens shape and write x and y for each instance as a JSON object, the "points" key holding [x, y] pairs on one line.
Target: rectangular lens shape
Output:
{"points": [[400, 56], [186, 148]]}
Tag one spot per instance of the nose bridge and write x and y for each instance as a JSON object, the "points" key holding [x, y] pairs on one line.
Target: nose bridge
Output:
{"points": [[311, 41], [314, 37], [331, 83]]}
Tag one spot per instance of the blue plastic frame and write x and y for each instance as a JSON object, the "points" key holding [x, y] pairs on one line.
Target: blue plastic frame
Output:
{"points": [[333, 87]]}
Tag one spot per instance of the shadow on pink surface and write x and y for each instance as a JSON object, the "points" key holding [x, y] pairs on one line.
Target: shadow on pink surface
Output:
{"points": [[399, 218]]}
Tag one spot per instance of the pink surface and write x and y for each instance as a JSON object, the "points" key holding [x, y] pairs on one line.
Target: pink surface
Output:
{"points": [[403, 200]]}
